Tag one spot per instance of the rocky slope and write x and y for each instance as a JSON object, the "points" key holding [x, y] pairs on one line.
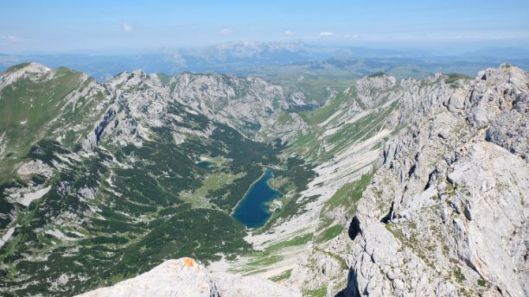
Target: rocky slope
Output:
{"points": [[446, 213]]}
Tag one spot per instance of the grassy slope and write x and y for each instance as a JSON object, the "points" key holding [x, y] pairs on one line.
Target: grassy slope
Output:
{"points": [[316, 147], [31, 110]]}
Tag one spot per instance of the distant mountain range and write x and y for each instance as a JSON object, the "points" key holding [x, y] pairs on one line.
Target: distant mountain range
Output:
{"points": [[245, 58]]}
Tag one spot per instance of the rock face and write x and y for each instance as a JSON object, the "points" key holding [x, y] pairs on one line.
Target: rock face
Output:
{"points": [[372, 89], [182, 277], [143, 101], [446, 213], [187, 278]]}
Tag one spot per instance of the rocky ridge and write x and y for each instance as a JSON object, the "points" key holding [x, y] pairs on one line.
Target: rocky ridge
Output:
{"points": [[446, 213], [249, 105]]}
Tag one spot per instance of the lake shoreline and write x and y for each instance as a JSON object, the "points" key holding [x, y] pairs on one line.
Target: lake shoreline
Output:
{"points": [[253, 209]]}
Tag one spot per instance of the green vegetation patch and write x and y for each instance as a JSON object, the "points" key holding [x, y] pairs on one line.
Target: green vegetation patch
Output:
{"points": [[454, 77], [264, 261], [348, 195], [458, 275], [323, 113], [212, 182], [284, 118], [482, 282], [298, 240], [320, 292], [284, 275], [329, 233]]}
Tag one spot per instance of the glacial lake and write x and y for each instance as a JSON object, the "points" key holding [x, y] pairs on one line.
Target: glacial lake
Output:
{"points": [[252, 210]]}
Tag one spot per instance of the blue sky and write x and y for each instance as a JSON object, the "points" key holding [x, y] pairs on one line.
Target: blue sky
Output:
{"points": [[61, 26]]}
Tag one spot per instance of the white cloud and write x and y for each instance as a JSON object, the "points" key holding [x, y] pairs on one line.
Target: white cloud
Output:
{"points": [[127, 27], [288, 33], [225, 31], [326, 34]]}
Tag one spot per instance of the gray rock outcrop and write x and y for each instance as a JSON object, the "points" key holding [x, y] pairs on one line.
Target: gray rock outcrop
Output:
{"points": [[185, 277]]}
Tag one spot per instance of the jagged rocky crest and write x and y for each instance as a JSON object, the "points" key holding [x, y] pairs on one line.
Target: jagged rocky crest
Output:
{"points": [[249, 105], [446, 213]]}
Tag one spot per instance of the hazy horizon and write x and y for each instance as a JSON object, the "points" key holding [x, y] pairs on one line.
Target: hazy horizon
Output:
{"points": [[439, 51]]}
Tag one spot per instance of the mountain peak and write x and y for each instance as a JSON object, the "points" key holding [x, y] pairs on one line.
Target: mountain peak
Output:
{"points": [[31, 70], [31, 67]]}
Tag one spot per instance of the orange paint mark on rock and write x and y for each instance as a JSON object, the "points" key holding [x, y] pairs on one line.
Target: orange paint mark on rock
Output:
{"points": [[188, 262]]}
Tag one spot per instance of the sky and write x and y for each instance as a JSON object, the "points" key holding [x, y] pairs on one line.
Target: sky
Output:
{"points": [[99, 26]]}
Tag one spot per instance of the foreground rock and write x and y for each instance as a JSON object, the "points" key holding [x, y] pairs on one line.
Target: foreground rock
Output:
{"points": [[186, 278]]}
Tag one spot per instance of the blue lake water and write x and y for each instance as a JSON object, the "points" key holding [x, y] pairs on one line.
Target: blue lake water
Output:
{"points": [[252, 210]]}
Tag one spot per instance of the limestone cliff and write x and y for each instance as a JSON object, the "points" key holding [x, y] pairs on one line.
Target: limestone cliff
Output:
{"points": [[446, 213]]}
